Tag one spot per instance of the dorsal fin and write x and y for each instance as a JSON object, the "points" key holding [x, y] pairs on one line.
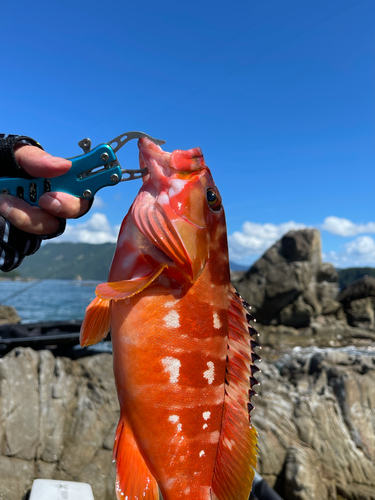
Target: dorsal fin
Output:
{"points": [[237, 450]]}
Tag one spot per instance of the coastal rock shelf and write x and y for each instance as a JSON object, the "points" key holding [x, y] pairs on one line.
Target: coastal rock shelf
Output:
{"points": [[57, 421], [315, 415]]}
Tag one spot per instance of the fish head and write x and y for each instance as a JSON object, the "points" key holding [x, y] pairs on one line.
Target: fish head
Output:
{"points": [[178, 208]]}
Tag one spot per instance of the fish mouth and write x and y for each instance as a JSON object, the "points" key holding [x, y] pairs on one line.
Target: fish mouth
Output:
{"points": [[154, 159], [161, 164]]}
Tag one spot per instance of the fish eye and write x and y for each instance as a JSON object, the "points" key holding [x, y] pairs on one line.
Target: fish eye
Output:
{"points": [[213, 200]]}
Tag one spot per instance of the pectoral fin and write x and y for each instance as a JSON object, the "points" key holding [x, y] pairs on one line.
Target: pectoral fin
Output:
{"points": [[96, 323], [118, 290]]}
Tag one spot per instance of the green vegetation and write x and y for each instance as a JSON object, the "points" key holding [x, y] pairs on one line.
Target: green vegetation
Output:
{"points": [[92, 262], [347, 276], [10, 275], [69, 261]]}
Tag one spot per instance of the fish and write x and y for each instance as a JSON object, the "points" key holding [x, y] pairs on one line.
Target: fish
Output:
{"points": [[183, 344]]}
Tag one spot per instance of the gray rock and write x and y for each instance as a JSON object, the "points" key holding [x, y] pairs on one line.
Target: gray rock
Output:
{"points": [[9, 316], [315, 416], [327, 272], [361, 313], [288, 283], [360, 289], [57, 421]]}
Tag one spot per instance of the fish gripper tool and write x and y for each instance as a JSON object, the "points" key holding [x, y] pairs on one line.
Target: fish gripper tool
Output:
{"points": [[94, 169]]}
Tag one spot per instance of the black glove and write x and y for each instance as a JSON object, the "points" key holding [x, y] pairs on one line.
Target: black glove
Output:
{"points": [[14, 243]]}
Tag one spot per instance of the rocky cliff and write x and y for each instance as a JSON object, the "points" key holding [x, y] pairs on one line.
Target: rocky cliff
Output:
{"points": [[315, 415], [315, 412], [57, 421]]}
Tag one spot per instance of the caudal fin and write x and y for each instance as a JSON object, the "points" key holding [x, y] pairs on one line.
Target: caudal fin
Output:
{"points": [[133, 480]]}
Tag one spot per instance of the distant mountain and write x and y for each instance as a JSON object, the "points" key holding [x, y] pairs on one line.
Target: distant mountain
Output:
{"points": [[92, 262], [69, 261], [238, 267], [347, 276]]}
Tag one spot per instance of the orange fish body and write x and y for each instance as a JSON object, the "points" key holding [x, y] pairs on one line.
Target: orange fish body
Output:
{"points": [[183, 358]]}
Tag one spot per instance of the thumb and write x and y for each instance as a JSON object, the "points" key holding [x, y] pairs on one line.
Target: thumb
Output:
{"points": [[38, 163]]}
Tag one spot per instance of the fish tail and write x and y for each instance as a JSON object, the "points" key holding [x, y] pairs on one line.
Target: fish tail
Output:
{"points": [[237, 450], [133, 479], [96, 323]]}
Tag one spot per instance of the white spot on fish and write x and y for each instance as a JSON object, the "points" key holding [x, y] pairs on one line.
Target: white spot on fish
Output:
{"points": [[201, 453], [205, 426], [177, 185], [163, 198], [210, 373], [172, 366], [170, 483], [217, 322], [214, 437], [169, 304], [172, 319], [174, 419], [229, 443], [206, 415]]}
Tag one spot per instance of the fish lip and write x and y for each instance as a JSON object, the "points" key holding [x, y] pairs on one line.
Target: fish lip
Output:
{"points": [[154, 159]]}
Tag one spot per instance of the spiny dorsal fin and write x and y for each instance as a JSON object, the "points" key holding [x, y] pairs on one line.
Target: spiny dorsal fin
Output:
{"points": [[237, 450]]}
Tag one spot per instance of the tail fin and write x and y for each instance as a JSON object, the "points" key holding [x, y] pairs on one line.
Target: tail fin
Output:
{"points": [[134, 480]]}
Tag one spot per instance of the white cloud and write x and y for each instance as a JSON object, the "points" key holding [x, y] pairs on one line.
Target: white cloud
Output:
{"points": [[356, 253], [255, 239], [345, 227], [95, 230], [98, 202]]}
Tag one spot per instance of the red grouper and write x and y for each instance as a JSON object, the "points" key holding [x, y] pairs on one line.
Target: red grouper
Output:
{"points": [[182, 345]]}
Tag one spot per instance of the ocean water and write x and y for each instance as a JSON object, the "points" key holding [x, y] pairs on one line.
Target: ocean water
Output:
{"points": [[48, 300]]}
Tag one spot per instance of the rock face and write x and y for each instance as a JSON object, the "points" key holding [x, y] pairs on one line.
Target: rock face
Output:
{"points": [[289, 284], [358, 300], [315, 416], [8, 315], [57, 421]]}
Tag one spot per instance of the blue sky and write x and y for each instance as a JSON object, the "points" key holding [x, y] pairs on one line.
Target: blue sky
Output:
{"points": [[278, 94]]}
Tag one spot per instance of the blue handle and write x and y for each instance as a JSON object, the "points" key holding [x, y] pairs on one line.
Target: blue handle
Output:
{"points": [[89, 173]]}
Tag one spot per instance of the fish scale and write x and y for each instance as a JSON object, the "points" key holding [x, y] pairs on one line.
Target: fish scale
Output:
{"points": [[182, 348]]}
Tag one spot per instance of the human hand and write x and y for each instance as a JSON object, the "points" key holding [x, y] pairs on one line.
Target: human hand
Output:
{"points": [[45, 219]]}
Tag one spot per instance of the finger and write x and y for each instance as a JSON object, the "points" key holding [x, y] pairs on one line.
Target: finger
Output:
{"points": [[27, 217], [38, 163], [63, 205]]}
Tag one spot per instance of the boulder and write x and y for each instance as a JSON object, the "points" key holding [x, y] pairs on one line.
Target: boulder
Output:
{"points": [[358, 300], [9, 316], [57, 421], [289, 284], [360, 289], [361, 312], [315, 416]]}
